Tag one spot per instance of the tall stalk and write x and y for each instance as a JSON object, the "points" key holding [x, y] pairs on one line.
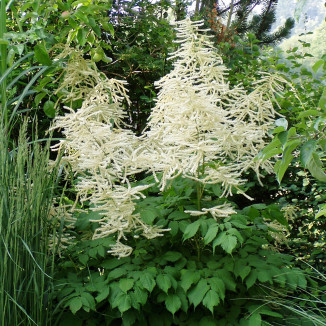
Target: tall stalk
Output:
{"points": [[26, 192], [3, 59]]}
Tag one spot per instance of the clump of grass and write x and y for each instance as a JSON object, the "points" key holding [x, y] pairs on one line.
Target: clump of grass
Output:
{"points": [[26, 196]]}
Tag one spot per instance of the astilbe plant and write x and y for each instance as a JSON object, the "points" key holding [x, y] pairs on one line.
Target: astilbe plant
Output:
{"points": [[100, 152], [200, 128]]}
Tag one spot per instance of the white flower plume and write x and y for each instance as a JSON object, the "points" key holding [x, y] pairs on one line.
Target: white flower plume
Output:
{"points": [[200, 127], [101, 153]]}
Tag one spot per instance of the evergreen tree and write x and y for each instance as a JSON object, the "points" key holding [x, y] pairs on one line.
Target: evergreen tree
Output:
{"points": [[238, 14]]}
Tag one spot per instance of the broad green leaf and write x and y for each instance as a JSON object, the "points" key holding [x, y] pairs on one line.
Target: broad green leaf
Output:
{"points": [[103, 294], [264, 276], [117, 272], [173, 303], [251, 279], [283, 137], [140, 295], [315, 167], [308, 113], [147, 281], [219, 240], [218, 286], [197, 294], [38, 98], [172, 256], [230, 243], [211, 233], [41, 55], [88, 300], [306, 152], [125, 284], [322, 211], [75, 304], [123, 302], [191, 230], [163, 282], [211, 300], [317, 65], [188, 278], [255, 320], [49, 109], [82, 36], [148, 215]]}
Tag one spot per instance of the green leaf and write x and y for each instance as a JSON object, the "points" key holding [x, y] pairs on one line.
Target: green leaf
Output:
{"points": [[123, 302], [322, 100], [315, 167], [251, 279], [197, 294], [147, 281], [49, 109], [163, 282], [230, 243], [140, 295], [211, 300], [218, 286], [82, 36], [125, 284], [211, 233], [255, 320], [191, 230], [317, 65], [75, 304], [38, 98], [173, 303], [148, 215], [103, 294], [172, 256], [306, 152], [41, 55], [188, 278]]}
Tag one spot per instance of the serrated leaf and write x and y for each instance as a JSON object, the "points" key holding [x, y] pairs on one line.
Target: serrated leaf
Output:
{"points": [[191, 230], [125, 284], [148, 215], [123, 302], [315, 167], [140, 295], [219, 240], [147, 281], [197, 294], [173, 303], [163, 282], [41, 55], [211, 233], [75, 304], [218, 286], [229, 243], [188, 278], [211, 300], [103, 294]]}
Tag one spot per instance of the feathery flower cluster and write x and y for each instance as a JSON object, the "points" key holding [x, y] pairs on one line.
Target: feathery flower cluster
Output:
{"points": [[102, 154], [201, 128]]}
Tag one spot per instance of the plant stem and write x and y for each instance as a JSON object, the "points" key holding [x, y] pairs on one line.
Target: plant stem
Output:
{"points": [[3, 60]]}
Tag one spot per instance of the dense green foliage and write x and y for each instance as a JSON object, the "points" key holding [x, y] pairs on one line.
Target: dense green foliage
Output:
{"points": [[262, 265]]}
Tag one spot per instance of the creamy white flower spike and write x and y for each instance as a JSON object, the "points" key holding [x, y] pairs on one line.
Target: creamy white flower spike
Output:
{"points": [[100, 153], [201, 128]]}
